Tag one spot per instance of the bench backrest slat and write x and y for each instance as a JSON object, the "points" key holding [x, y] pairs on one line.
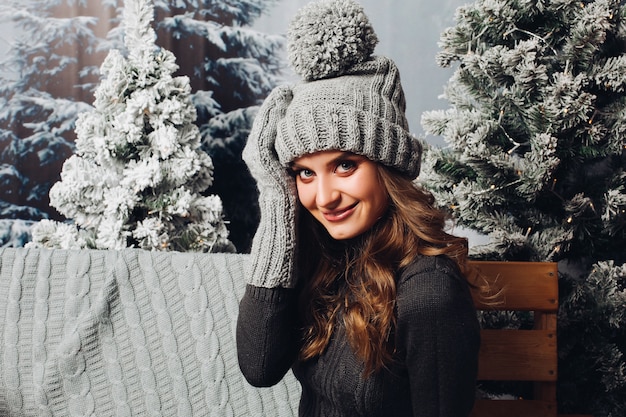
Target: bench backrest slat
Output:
{"points": [[508, 408], [528, 286], [519, 355]]}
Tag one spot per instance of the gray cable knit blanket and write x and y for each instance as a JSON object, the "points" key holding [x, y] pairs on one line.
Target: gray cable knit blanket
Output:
{"points": [[125, 333]]}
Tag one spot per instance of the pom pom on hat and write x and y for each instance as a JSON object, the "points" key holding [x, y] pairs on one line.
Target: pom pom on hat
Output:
{"points": [[329, 36]]}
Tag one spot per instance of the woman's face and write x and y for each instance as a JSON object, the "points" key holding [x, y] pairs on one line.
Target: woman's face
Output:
{"points": [[341, 190]]}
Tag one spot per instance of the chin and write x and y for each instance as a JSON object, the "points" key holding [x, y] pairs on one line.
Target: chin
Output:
{"points": [[345, 235], [342, 236]]}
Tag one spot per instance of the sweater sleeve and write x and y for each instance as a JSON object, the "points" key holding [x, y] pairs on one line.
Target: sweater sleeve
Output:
{"points": [[267, 334], [439, 333]]}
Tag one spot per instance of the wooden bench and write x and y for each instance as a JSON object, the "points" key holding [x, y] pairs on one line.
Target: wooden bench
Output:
{"points": [[520, 355]]}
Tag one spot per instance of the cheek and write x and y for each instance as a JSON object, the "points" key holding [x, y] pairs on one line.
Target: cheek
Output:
{"points": [[378, 199], [306, 195]]}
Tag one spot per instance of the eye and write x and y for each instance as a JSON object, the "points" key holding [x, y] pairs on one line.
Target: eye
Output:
{"points": [[304, 174], [345, 166]]}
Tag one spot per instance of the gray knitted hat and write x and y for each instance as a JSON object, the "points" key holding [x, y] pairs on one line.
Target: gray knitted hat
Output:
{"points": [[348, 100]]}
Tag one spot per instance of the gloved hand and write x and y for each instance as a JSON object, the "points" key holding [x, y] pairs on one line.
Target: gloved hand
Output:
{"points": [[272, 260]]}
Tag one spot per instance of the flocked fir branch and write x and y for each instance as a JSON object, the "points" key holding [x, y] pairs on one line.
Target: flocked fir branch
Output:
{"points": [[35, 123], [536, 160], [138, 172]]}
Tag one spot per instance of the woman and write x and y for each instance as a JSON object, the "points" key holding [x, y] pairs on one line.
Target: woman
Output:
{"points": [[353, 282]]}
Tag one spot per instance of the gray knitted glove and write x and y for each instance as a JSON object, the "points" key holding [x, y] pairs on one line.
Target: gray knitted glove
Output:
{"points": [[272, 260]]}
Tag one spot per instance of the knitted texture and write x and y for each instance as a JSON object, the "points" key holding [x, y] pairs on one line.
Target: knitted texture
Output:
{"points": [[124, 333], [360, 112], [349, 100], [327, 37], [434, 367], [274, 243]]}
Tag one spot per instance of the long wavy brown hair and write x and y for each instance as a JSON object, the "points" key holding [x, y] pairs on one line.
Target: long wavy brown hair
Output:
{"points": [[355, 280]]}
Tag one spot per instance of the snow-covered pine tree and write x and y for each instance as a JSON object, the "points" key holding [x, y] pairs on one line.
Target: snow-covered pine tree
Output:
{"points": [[36, 114], [231, 67], [536, 158], [138, 171]]}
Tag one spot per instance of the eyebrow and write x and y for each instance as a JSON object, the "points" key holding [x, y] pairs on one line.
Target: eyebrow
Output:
{"points": [[340, 157]]}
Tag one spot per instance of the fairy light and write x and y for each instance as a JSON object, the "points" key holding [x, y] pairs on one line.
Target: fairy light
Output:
{"points": [[555, 251], [493, 187], [570, 219], [514, 148]]}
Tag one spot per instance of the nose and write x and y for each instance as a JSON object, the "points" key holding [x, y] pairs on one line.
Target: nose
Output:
{"points": [[328, 195]]}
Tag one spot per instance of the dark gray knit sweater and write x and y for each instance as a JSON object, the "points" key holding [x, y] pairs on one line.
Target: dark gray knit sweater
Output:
{"points": [[434, 371]]}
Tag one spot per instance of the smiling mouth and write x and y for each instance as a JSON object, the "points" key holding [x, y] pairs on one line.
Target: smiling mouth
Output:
{"points": [[339, 215]]}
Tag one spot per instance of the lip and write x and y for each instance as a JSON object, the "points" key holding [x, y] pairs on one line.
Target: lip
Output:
{"points": [[339, 215]]}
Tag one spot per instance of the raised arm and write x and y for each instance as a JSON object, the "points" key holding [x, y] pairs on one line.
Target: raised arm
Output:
{"points": [[267, 335]]}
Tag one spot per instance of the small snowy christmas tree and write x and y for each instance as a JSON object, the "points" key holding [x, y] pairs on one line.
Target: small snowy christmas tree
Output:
{"points": [[537, 161], [138, 171], [50, 72]]}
